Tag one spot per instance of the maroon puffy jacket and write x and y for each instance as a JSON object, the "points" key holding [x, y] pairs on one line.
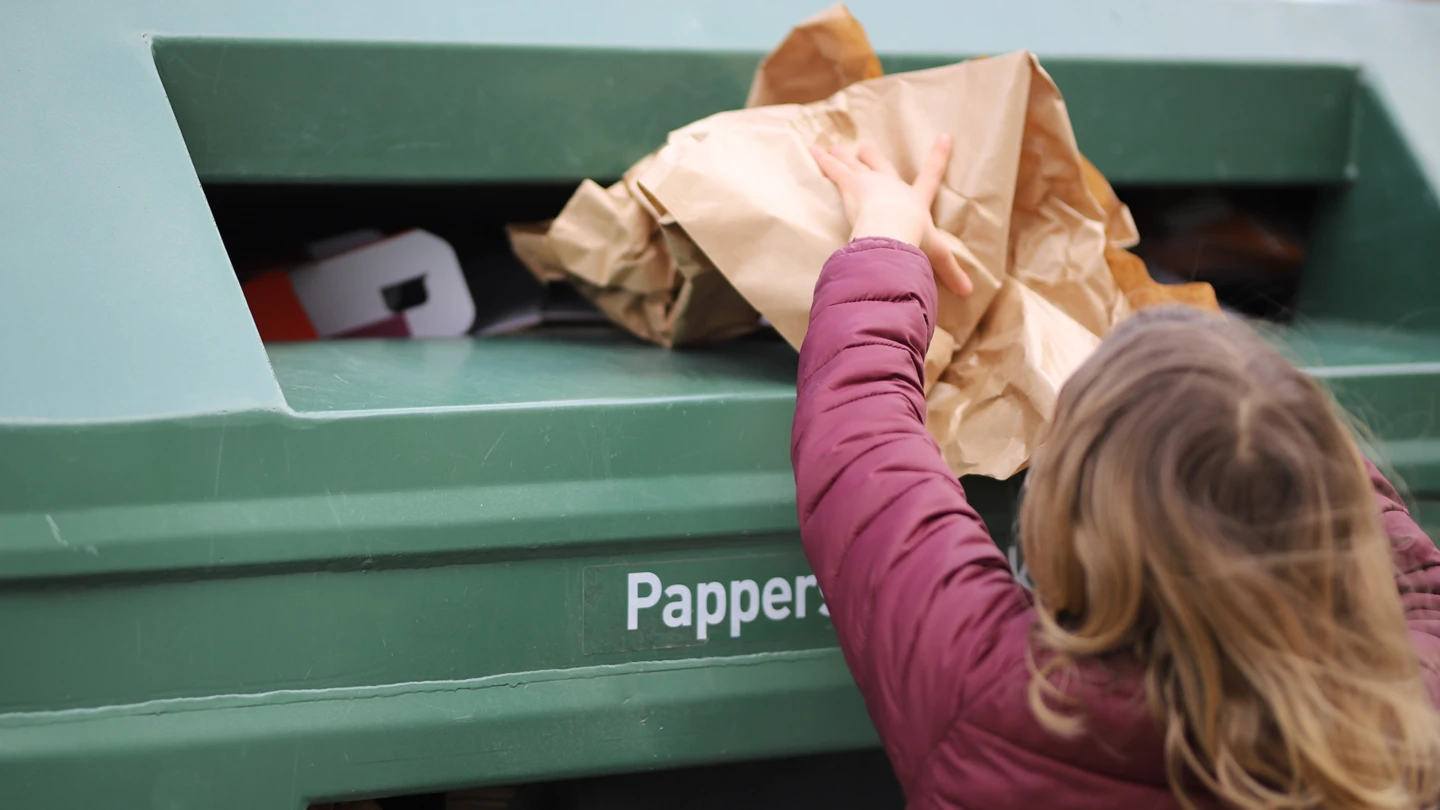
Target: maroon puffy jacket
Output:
{"points": [[930, 618]]}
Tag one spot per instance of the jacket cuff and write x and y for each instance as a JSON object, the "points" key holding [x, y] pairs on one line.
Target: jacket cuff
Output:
{"points": [[879, 243]]}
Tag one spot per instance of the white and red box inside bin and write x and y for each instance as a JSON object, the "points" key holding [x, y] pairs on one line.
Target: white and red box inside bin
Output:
{"points": [[409, 285]]}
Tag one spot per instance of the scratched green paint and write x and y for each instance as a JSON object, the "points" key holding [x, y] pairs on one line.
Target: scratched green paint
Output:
{"points": [[385, 620]]}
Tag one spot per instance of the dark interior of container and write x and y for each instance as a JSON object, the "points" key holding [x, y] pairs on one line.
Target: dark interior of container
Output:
{"points": [[271, 226], [1247, 241], [859, 780], [266, 225]]}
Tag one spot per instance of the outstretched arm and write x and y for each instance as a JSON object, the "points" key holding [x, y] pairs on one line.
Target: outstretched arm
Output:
{"points": [[914, 583]]}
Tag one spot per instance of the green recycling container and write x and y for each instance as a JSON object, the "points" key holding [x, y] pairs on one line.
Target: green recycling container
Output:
{"points": [[240, 576]]}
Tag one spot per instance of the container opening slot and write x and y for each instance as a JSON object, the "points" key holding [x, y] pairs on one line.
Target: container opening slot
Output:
{"points": [[1249, 242], [289, 226]]}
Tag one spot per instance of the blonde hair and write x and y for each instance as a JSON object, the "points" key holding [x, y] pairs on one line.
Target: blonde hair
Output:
{"points": [[1199, 505]]}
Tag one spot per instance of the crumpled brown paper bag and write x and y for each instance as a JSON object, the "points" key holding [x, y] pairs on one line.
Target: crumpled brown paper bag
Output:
{"points": [[1038, 228], [1026, 216], [632, 261], [643, 274], [821, 56]]}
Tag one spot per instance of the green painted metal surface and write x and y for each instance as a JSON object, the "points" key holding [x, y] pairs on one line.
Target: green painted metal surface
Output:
{"points": [[230, 752], [306, 111], [233, 578], [1377, 239]]}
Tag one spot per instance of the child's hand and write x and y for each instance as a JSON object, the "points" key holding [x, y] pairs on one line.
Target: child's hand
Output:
{"points": [[878, 203]]}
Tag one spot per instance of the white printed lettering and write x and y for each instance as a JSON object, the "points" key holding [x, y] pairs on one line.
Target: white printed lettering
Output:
{"points": [[709, 604], [743, 615], [634, 602], [774, 597], [802, 584], [708, 618], [677, 613]]}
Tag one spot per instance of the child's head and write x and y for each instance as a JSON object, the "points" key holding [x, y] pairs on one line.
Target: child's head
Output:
{"points": [[1199, 504]]}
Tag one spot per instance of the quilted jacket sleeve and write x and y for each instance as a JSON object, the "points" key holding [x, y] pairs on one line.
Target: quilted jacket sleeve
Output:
{"points": [[917, 589], [1417, 575]]}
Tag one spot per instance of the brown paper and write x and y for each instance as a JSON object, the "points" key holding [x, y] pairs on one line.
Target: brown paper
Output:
{"points": [[1033, 225], [822, 56], [632, 262], [640, 269], [530, 242], [733, 210], [1128, 269]]}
